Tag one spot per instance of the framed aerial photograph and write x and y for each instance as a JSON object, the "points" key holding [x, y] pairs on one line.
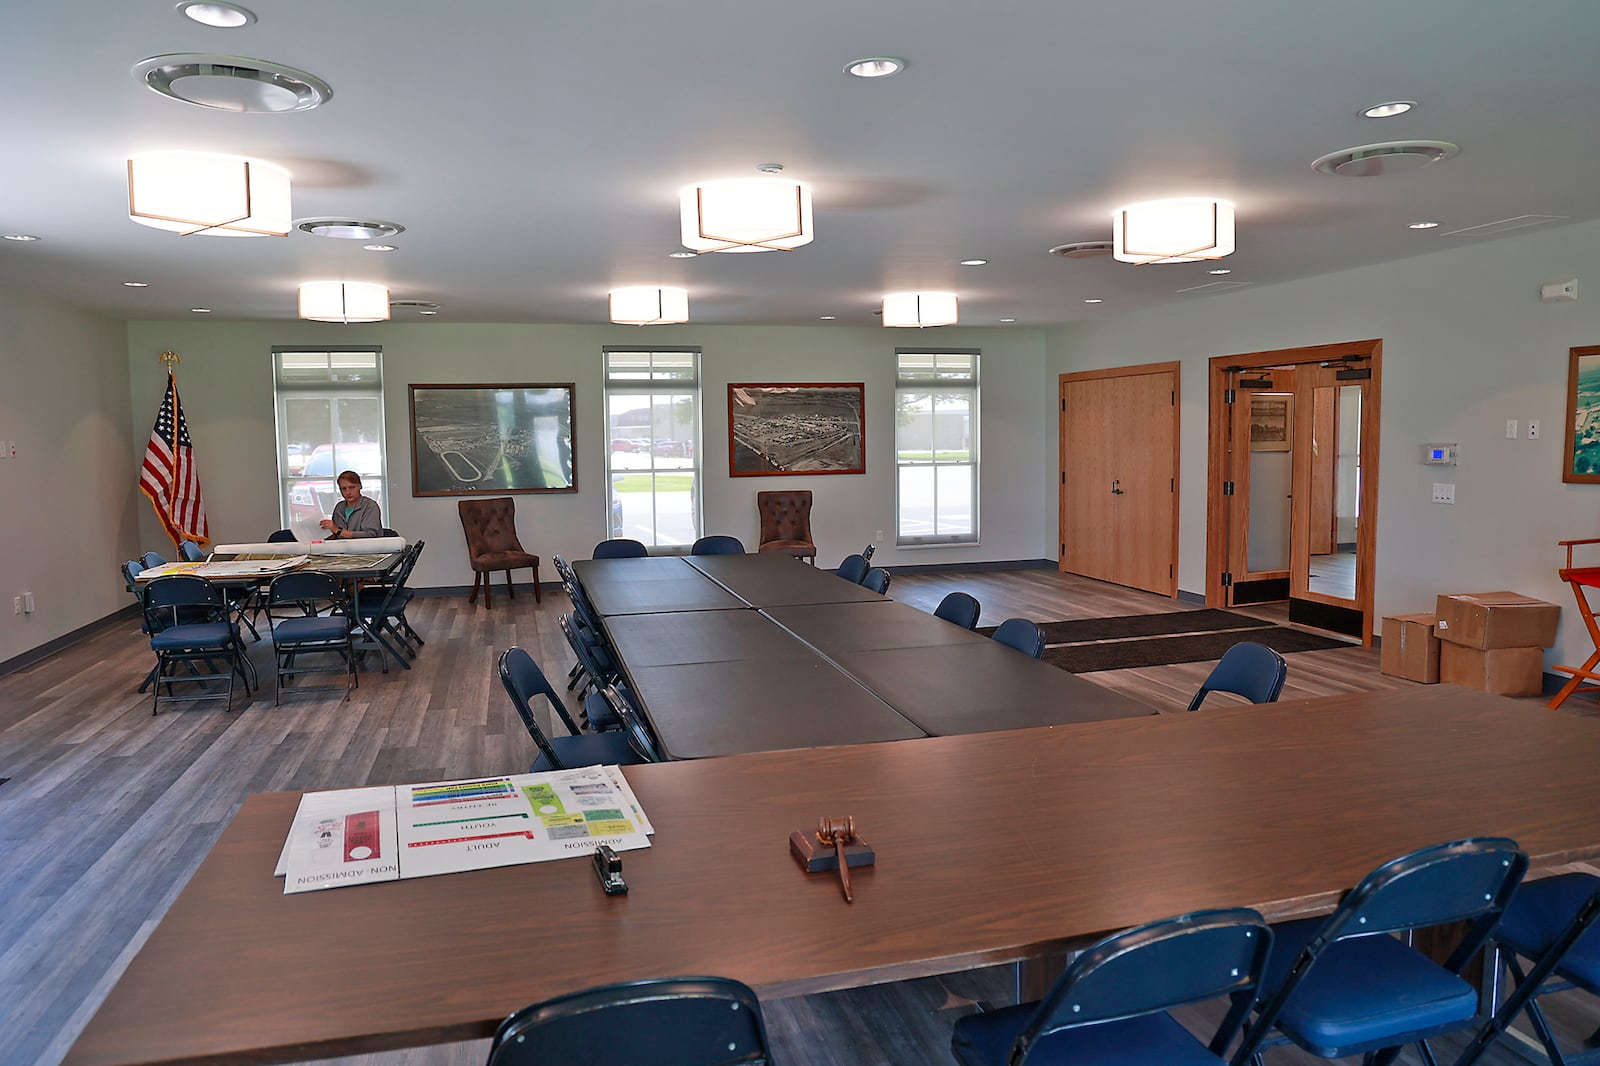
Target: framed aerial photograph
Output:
{"points": [[1271, 423], [472, 440], [1582, 463], [796, 429]]}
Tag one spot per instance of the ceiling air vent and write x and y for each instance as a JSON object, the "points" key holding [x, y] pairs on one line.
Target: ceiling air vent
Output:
{"points": [[1082, 249], [421, 307], [1391, 157], [1217, 286], [1505, 225], [233, 83]]}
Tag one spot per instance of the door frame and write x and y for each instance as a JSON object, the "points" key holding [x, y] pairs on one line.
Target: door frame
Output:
{"points": [[1217, 533], [1175, 368]]}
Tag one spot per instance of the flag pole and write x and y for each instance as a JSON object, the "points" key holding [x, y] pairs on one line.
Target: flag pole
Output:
{"points": [[169, 358]]}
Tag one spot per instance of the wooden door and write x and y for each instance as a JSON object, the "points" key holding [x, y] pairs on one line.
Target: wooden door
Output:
{"points": [[1260, 478], [1119, 469]]}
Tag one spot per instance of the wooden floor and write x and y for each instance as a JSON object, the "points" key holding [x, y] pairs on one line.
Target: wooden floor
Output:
{"points": [[109, 810]]}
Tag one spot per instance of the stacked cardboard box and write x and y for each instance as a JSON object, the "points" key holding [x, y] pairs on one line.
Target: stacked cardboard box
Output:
{"points": [[1411, 648], [1495, 641]]}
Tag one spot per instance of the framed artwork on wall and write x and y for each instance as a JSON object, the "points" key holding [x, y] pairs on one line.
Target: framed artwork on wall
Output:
{"points": [[475, 440], [796, 429], [1271, 423], [1582, 463]]}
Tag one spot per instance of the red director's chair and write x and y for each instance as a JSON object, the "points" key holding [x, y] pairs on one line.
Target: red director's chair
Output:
{"points": [[1580, 578]]}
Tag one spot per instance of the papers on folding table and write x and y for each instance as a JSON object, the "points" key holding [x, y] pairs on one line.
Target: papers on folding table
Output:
{"points": [[383, 834]]}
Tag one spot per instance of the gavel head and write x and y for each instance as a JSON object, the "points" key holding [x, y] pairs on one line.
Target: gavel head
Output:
{"points": [[836, 830]]}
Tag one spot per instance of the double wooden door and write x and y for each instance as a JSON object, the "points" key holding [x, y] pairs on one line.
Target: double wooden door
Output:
{"points": [[1119, 475]]}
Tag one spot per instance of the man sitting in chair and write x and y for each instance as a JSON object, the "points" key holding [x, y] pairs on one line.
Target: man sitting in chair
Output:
{"points": [[357, 515]]}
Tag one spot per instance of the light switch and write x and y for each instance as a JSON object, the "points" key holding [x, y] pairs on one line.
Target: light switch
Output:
{"points": [[1511, 429]]}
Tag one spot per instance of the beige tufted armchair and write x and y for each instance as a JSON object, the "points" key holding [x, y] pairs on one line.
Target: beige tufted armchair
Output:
{"points": [[491, 529]]}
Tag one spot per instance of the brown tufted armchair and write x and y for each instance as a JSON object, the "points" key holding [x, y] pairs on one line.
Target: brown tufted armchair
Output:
{"points": [[491, 529], [786, 523]]}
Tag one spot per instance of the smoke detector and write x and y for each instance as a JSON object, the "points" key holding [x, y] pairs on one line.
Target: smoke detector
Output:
{"points": [[1082, 249], [232, 83], [1391, 157]]}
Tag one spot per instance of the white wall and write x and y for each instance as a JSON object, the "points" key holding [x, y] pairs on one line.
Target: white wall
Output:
{"points": [[225, 383], [70, 496], [1466, 346]]}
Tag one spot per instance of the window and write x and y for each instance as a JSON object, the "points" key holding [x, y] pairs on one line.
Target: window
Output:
{"points": [[936, 446], [330, 419], [653, 455]]}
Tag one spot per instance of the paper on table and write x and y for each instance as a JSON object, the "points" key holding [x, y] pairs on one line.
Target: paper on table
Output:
{"points": [[342, 838], [359, 546]]}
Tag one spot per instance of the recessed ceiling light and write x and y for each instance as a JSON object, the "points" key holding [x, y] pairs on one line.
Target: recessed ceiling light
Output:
{"points": [[136, 284], [974, 262], [1422, 225], [200, 310], [379, 248], [1008, 320], [1220, 270], [350, 229], [1094, 300], [24, 237], [680, 255], [1390, 157], [224, 16], [875, 67], [827, 318], [1389, 110], [232, 83]]}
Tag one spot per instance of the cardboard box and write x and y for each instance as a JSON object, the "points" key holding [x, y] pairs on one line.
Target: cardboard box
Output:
{"points": [[1487, 620], [1505, 671], [1411, 648]]}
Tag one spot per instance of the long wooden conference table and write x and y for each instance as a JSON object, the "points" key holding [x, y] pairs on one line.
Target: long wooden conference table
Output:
{"points": [[992, 847], [729, 654]]}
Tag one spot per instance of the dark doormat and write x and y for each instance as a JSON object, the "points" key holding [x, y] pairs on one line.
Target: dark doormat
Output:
{"points": [[1121, 627], [1132, 654]]}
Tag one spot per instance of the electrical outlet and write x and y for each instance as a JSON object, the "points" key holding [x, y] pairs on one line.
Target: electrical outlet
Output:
{"points": [[1511, 429], [877, 536], [1444, 492], [1533, 429]]}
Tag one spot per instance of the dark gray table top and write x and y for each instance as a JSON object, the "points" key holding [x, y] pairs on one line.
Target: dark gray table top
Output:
{"points": [[650, 586], [836, 628], [644, 640], [980, 686], [728, 708], [773, 579]]}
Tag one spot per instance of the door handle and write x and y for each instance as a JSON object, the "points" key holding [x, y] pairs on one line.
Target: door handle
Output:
{"points": [[1115, 491]]}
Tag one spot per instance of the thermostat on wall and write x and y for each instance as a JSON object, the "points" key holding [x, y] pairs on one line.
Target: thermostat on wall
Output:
{"points": [[1439, 454]]}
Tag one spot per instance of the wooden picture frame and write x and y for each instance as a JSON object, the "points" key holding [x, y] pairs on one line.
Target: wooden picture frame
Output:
{"points": [[796, 428], [1581, 462], [491, 440], [1271, 423]]}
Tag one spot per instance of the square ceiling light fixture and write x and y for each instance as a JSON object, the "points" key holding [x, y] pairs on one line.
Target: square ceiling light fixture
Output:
{"points": [[344, 301], [746, 215], [647, 305], [218, 195], [919, 309], [1172, 231]]}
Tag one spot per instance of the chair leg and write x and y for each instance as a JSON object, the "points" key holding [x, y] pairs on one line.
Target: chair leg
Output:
{"points": [[511, 590], [488, 590], [538, 597], [477, 579]]}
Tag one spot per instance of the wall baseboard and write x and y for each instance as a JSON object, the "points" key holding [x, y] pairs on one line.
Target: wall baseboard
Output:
{"points": [[50, 647], [1192, 597], [994, 564]]}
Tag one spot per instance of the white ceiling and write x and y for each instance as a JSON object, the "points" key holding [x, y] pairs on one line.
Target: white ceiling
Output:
{"points": [[534, 149]]}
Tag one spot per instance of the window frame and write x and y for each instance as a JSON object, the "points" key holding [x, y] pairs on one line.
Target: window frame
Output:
{"points": [[932, 385], [673, 385], [331, 391]]}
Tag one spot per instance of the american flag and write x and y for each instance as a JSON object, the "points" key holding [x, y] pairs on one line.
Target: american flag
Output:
{"points": [[169, 478]]}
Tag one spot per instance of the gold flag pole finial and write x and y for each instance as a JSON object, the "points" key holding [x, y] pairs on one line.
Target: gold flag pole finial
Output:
{"points": [[169, 358]]}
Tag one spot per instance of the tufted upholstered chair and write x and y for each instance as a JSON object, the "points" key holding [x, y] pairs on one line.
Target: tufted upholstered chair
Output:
{"points": [[491, 529], [786, 523]]}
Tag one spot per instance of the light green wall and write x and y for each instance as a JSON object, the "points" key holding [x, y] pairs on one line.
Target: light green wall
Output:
{"points": [[1466, 345], [226, 386], [69, 495]]}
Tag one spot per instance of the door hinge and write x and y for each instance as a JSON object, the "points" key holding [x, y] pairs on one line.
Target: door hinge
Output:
{"points": [[1063, 406], [1172, 398], [1063, 549], [1172, 484], [1227, 579], [1169, 569], [1063, 477], [1228, 395], [1227, 488]]}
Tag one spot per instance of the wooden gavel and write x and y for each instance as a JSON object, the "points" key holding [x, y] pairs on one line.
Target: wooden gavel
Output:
{"points": [[839, 832]]}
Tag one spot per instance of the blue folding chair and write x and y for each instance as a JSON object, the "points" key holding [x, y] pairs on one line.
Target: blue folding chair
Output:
{"points": [[718, 544], [853, 569], [1339, 986], [152, 559], [523, 680], [1551, 923], [309, 616], [190, 625], [192, 552], [1111, 1005], [597, 670], [1247, 669], [621, 548], [877, 580], [670, 1021], [1023, 635], [959, 608], [280, 536], [633, 723]]}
